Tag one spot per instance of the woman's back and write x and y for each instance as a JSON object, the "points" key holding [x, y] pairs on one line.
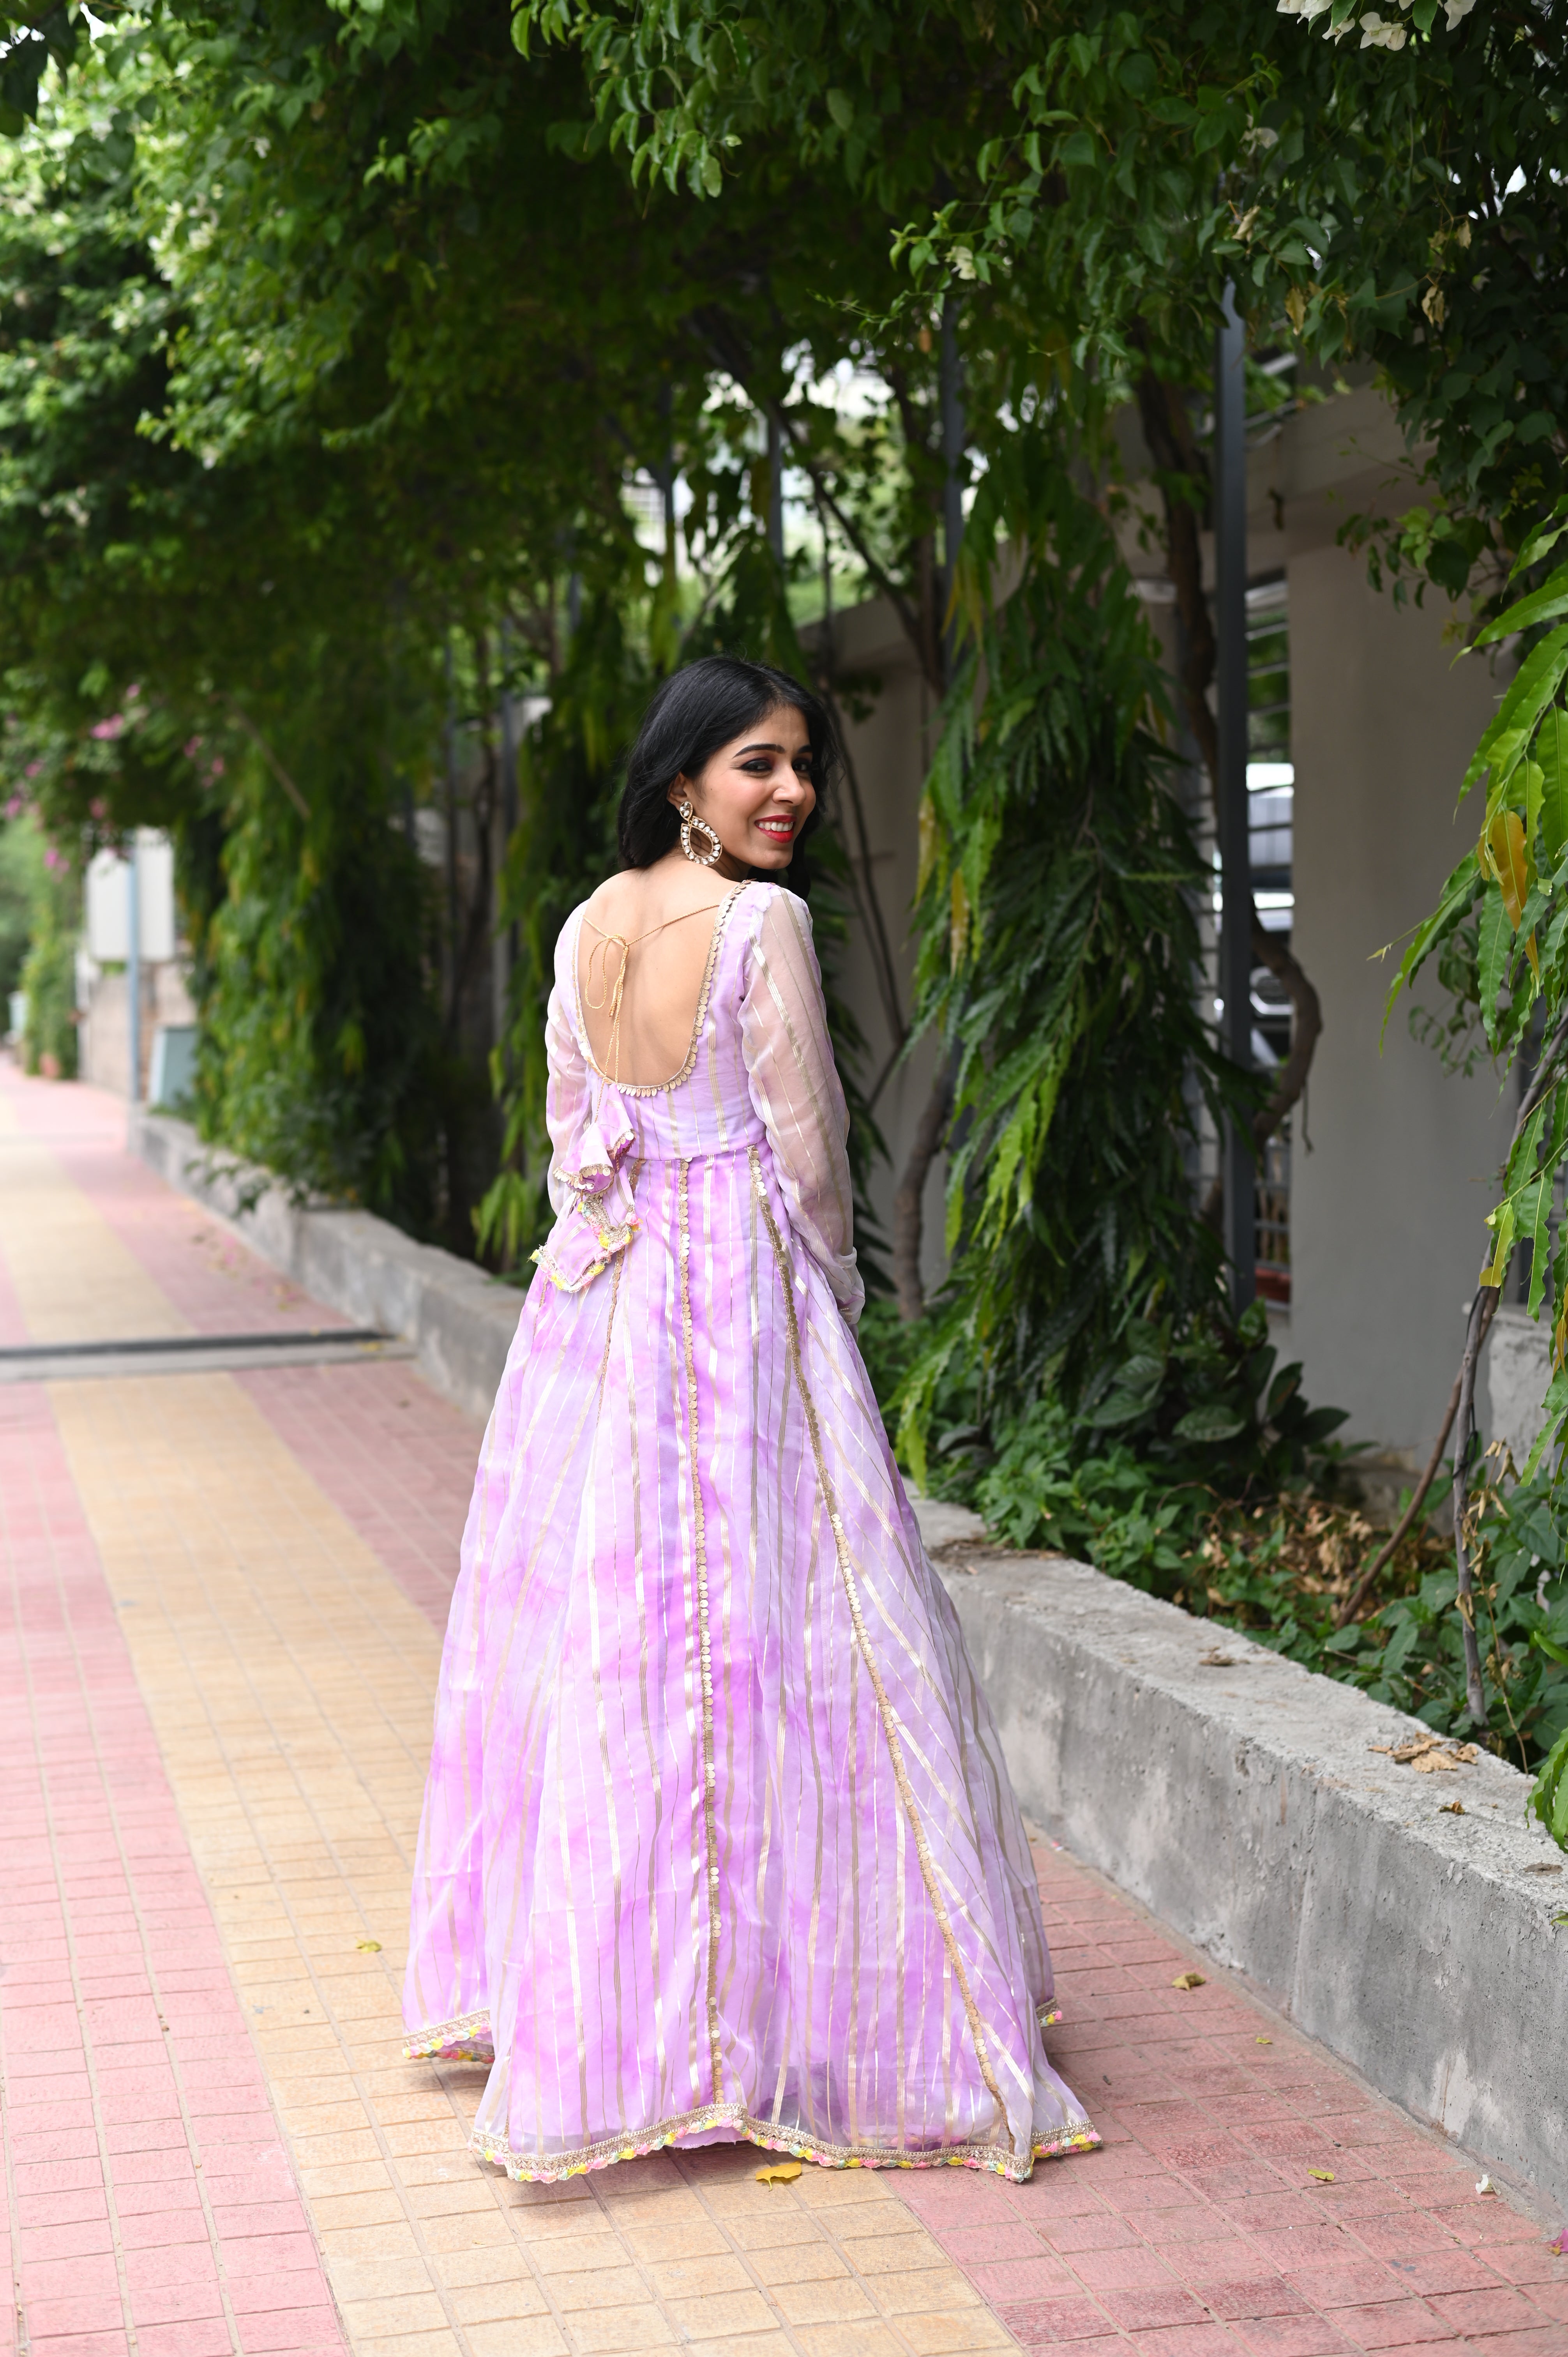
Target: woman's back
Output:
{"points": [[643, 948]]}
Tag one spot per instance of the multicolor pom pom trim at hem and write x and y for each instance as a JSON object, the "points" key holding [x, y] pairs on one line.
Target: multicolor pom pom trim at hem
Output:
{"points": [[1000, 2160], [467, 2039]]}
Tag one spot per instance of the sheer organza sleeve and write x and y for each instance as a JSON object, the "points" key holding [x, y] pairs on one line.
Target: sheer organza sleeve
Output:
{"points": [[567, 1106], [796, 1090]]}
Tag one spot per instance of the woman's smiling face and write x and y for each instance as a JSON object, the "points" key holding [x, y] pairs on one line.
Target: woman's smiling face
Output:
{"points": [[757, 792]]}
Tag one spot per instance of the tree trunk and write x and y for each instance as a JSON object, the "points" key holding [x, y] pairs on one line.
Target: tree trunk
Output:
{"points": [[1180, 470], [906, 1220]]}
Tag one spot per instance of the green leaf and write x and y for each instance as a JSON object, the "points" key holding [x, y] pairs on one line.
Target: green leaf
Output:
{"points": [[1540, 606], [1497, 948], [1540, 675], [1549, 1800], [1553, 1408], [841, 106], [1552, 753], [1212, 1422]]}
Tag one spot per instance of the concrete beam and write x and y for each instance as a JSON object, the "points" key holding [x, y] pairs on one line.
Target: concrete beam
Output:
{"points": [[460, 1321], [1242, 1803]]}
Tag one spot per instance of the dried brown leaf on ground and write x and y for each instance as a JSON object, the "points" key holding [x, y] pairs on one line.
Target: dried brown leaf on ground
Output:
{"points": [[1190, 1981]]}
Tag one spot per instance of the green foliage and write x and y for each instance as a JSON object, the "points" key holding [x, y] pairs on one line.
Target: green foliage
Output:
{"points": [[22, 881], [320, 1053], [1057, 963], [49, 971]]}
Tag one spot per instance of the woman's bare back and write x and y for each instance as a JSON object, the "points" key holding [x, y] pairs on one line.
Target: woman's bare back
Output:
{"points": [[642, 954]]}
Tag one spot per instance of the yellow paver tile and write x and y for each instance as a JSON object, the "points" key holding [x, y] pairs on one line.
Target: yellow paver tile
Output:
{"points": [[577, 2253], [904, 2294], [693, 2278], [832, 2302], [598, 2288], [529, 2336], [397, 2242], [493, 2303], [882, 2255], [469, 2230], [339, 2209], [702, 2238], [344, 2177], [354, 2279], [379, 2320], [855, 2220], [725, 2313], [796, 2263], [848, 2341], [771, 2228], [608, 2332], [412, 2345], [947, 2333]]}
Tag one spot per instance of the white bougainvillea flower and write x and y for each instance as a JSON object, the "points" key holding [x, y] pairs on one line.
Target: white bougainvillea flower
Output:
{"points": [[1381, 33], [1260, 139], [1457, 10]]}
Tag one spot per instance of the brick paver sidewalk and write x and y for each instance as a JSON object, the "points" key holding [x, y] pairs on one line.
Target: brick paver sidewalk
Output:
{"points": [[222, 1598]]}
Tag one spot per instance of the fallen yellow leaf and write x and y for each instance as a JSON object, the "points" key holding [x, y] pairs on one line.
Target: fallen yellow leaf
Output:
{"points": [[371, 1947], [1451, 1808], [778, 2172], [1432, 1763], [1263, 2042], [1190, 1981], [1324, 2176]]}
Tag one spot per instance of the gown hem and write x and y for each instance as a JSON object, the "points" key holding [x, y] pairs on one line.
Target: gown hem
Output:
{"points": [[1000, 2160]]}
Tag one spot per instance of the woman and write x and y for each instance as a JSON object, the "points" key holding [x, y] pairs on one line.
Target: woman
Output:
{"points": [[718, 1842]]}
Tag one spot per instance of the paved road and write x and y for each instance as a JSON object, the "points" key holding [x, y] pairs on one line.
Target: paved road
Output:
{"points": [[220, 1603]]}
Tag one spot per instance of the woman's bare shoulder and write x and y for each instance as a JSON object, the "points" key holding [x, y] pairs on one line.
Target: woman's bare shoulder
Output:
{"points": [[638, 899]]}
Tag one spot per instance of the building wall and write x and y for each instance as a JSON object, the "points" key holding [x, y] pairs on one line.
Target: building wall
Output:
{"points": [[1387, 1209], [104, 1045]]}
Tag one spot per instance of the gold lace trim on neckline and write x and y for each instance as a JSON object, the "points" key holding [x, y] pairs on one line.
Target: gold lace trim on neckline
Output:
{"points": [[652, 1088]]}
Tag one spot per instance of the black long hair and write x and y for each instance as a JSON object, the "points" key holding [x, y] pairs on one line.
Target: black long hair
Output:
{"points": [[703, 707]]}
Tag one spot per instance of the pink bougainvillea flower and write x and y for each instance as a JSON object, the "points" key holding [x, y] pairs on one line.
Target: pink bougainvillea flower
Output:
{"points": [[32, 768], [131, 692], [107, 730], [193, 747], [217, 769]]}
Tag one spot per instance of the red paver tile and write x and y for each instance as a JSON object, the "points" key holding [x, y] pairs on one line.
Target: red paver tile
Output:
{"points": [[1255, 2295], [1393, 2324], [1048, 2322], [1135, 2311], [1015, 2279], [97, 2143], [1474, 2312]]}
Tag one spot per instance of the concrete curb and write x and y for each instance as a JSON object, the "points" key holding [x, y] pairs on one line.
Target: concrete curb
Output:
{"points": [[1242, 1805], [460, 1321]]}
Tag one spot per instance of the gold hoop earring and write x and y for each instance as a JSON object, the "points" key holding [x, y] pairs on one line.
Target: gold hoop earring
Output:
{"points": [[690, 822]]}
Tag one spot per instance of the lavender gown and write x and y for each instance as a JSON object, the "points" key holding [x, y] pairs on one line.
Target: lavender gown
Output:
{"points": [[717, 1841]]}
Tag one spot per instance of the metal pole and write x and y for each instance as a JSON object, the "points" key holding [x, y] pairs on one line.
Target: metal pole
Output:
{"points": [[775, 489], [133, 966], [955, 434], [1235, 870]]}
